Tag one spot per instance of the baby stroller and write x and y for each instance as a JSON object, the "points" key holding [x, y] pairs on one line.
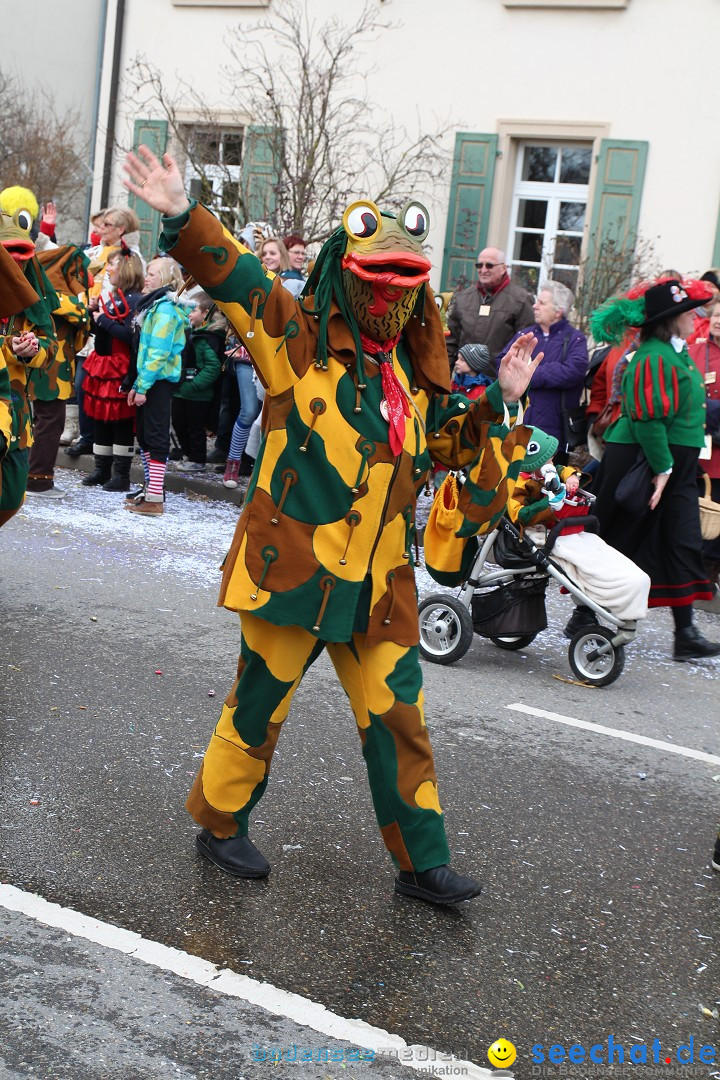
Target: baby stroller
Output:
{"points": [[507, 606]]}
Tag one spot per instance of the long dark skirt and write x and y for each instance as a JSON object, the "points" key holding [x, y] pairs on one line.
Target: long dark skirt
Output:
{"points": [[666, 542]]}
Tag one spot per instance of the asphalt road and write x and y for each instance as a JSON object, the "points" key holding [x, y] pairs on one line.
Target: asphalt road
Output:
{"points": [[599, 913]]}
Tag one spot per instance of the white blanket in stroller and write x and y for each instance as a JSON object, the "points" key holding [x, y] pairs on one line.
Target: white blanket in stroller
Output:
{"points": [[604, 574]]}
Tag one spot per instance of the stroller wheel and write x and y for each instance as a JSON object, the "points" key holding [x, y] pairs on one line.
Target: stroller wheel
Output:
{"points": [[446, 628], [593, 658], [513, 641]]}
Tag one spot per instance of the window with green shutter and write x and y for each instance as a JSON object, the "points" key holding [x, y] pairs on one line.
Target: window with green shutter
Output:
{"points": [[469, 207], [153, 134], [259, 172], [618, 192]]}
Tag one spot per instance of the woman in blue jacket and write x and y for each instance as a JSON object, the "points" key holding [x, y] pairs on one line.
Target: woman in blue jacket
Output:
{"points": [[558, 382]]}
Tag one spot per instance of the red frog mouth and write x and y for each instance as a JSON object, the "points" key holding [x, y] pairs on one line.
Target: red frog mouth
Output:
{"points": [[20, 250], [389, 274]]}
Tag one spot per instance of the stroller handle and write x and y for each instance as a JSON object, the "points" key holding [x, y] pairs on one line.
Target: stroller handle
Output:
{"points": [[589, 522]]}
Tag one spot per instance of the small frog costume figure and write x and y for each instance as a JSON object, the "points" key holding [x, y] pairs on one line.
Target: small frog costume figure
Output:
{"points": [[356, 410]]}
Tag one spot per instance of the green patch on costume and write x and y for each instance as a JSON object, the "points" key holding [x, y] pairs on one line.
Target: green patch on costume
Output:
{"points": [[369, 422], [311, 503], [14, 479], [405, 680], [290, 607], [423, 830]]}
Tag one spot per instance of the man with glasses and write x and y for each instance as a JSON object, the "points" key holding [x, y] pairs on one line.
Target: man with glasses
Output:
{"points": [[491, 312]]}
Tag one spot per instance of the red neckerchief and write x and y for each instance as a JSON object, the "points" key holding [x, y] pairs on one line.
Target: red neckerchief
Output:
{"points": [[373, 347], [498, 288], [393, 393]]}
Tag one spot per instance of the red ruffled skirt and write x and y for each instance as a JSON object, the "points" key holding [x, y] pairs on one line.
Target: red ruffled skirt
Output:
{"points": [[104, 400]]}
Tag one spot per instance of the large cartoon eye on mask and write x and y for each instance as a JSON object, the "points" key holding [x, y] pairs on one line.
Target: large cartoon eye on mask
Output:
{"points": [[361, 220], [415, 220], [23, 219]]}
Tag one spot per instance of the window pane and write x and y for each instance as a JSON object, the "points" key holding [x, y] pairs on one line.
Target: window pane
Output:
{"points": [[567, 250], [527, 277], [232, 148], [575, 166], [572, 216], [539, 163], [231, 194], [205, 147], [532, 213], [566, 277], [196, 188], [528, 247]]}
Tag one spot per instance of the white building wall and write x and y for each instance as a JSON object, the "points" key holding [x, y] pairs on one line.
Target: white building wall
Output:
{"points": [[54, 47], [646, 72]]}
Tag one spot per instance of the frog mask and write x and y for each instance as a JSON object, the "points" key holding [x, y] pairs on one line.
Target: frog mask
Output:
{"points": [[19, 208], [383, 266]]}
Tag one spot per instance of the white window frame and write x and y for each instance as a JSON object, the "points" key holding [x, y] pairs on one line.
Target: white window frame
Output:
{"points": [[218, 174], [555, 193], [605, 5], [221, 3]]}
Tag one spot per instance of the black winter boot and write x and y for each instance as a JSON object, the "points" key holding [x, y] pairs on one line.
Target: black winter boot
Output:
{"points": [[101, 472], [691, 645], [120, 480], [581, 618]]}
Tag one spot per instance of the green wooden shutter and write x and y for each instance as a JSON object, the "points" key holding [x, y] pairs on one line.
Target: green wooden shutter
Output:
{"points": [[153, 134], [259, 172], [618, 191], [469, 208]]}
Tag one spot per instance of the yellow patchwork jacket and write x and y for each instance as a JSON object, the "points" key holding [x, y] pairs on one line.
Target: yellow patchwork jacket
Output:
{"points": [[324, 540], [18, 372]]}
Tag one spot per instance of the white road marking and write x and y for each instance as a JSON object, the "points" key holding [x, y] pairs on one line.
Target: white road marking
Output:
{"points": [[617, 733], [294, 1007]]}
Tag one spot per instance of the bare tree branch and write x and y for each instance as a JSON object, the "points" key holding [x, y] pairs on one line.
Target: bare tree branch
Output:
{"points": [[305, 83], [39, 146]]}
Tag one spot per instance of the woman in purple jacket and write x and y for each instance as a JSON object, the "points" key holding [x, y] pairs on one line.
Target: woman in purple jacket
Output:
{"points": [[558, 382]]}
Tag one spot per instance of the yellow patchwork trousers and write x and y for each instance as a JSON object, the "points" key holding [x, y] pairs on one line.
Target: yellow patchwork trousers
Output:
{"points": [[383, 683]]}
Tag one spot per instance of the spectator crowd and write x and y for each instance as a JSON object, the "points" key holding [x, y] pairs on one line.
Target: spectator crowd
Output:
{"points": [[140, 361]]}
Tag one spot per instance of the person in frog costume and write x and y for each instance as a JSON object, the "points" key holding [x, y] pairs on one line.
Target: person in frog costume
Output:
{"points": [[15, 294], [67, 269], [357, 408], [28, 340]]}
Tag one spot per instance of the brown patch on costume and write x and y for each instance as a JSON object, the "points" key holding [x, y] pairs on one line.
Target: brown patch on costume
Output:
{"points": [[219, 823], [63, 275], [403, 486], [231, 557], [265, 751], [203, 230], [412, 746], [16, 292], [480, 515], [278, 410], [403, 628], [392, 838], [295, 563], [427, 349], [382, 455]]}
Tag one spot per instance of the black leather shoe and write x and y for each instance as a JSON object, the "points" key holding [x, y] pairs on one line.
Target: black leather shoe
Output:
{"points": [[78, 449], [441, 885], [691, 645], [581, 618], [237, 856]]}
